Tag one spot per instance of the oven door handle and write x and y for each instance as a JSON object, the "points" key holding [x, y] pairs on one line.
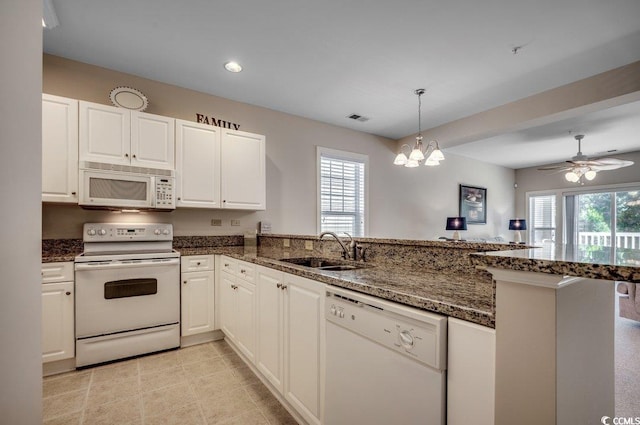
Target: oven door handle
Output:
{"points": [[124, 264]]}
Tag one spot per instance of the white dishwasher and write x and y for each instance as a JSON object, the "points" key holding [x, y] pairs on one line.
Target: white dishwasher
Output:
{"points": [[385, 362]]}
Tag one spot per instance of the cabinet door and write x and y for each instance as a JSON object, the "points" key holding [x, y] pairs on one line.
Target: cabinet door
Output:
{"points": [[152, 141], [59, 149], [227, 303], [269, 327], [243, 184], [57, 321], [197, 302], [105, 133], [197, 165], [471, 358], [245, 323], [304, 342]]}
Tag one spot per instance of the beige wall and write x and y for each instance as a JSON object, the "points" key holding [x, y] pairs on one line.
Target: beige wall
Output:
{"points": [[403, 203], [20, 180]]}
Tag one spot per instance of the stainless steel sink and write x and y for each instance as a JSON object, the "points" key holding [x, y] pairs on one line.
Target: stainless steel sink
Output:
{"points": [[324, 263]]}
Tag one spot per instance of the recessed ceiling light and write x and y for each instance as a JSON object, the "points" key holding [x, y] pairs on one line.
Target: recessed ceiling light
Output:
{"points": [[233, 66]]}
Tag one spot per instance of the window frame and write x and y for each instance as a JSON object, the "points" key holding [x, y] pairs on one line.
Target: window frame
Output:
{"points": [[347, 156], [561, 193]]}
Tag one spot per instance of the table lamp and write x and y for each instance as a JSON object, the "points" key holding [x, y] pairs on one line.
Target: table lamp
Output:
{"points": [[456, 223], [518, 224]]}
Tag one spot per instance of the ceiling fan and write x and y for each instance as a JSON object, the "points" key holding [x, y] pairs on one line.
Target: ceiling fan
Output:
{"points": [[582, 166]]}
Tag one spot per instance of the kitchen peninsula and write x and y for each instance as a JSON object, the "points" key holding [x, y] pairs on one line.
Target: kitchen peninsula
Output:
{"points": [[555, 331]]}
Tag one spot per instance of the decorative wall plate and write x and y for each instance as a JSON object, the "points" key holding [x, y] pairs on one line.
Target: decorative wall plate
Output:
{"points": [[129, 98]]}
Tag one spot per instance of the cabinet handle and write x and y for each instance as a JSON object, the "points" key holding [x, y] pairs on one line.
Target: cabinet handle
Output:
{"points": [[283, 287], [226, 264], [134, 155], [198, 263], [278, 285], [73, 193], [179, 198], [243, 271], [67, 293], [126, 155], [185, 282]]}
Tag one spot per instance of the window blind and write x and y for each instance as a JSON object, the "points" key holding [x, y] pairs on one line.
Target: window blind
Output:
{"points": [[342, 195], [542, 216]]}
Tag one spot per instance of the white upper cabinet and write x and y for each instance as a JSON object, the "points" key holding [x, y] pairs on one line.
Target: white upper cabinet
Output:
{"points": [[120, 136], [197, 165], [59, 149], [152, 141], [243, 177], [219, 168]]}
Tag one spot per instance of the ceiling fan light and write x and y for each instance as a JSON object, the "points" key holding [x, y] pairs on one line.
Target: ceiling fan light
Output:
{"points": [[572, 177], [590, 175], [401, 159]]}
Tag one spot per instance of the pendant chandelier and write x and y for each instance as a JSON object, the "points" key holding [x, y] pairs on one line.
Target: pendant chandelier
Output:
{"points": [[429, 153]]}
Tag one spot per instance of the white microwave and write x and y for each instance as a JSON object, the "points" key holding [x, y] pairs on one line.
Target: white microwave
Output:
{"points": [[110, 186]]}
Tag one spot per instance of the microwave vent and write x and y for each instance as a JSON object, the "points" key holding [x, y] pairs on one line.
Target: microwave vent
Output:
{"points": [[90, 165]]}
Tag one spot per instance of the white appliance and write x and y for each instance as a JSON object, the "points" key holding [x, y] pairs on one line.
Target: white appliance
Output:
{"points": [[385, 362], [127, 292], [123, 186]]}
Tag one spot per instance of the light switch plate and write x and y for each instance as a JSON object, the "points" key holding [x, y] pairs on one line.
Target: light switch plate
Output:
{"points": [[286, 243], [308, 245], [216, 222], [235, 222]]}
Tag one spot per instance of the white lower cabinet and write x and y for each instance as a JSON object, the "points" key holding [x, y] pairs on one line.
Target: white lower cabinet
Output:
{"points": [[471, 364], [197, 294], [58, 341], [238, 305], [290, 340]]}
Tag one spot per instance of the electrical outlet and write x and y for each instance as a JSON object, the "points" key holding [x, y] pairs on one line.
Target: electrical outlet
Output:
{"points": [[286, 243], [308, 245], [216, 222], [235, 222]]}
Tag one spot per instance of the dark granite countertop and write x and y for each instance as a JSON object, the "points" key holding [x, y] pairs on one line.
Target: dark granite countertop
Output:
{"points": [[444, 293], [593, 262]]}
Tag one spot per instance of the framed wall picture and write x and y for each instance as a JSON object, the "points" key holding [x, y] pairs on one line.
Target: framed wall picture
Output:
{"points": [[473, 204]]}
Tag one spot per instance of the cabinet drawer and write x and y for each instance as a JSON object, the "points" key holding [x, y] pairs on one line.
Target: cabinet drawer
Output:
{"points": [[246, 271], [229, 265], [57, 272], [196, 263]]}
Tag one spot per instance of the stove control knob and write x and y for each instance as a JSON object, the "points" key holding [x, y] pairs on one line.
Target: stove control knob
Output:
{"points": [[156, 232], [91, 232], [102, 232], [165, 232]]}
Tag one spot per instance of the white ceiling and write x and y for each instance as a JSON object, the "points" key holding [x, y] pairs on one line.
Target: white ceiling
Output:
{"points": [[327, 59]]}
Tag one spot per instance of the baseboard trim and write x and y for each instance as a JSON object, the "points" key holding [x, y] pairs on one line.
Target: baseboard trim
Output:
{"points": [[57, 367], [187, 341]]}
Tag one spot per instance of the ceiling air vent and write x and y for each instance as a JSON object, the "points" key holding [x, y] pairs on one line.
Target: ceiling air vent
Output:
{"points": [[358, 117]]}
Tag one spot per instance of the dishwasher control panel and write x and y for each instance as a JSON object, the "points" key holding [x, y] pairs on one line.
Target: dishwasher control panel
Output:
{"points": [[415, 333]]}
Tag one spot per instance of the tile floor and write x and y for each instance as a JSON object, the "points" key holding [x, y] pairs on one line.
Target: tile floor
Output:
{"points": [[203, 384]]}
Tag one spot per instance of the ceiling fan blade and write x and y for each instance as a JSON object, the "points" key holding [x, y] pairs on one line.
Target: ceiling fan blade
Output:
{"points": [[603, 164], [555, 167]]}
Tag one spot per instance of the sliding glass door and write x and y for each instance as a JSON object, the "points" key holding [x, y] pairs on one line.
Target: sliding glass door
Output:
{"points": [[606, 219]]}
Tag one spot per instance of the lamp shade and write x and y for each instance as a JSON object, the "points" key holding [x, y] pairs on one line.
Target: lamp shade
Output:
{"points": [[518, 224], [456, 223]]}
